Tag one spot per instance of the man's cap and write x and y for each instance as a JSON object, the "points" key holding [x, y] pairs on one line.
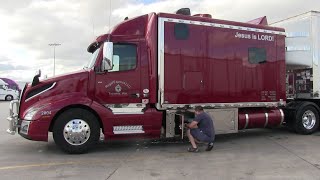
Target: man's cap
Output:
{"points": [[198, 108]]}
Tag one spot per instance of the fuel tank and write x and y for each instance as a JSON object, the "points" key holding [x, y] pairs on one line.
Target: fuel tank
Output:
{"points": [[260, 118]]}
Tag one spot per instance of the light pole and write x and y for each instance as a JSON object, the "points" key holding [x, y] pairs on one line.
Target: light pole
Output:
{"points": [[54, 56]]}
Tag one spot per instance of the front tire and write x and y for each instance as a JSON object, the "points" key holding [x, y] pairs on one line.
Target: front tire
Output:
{"points": [[306, 120], [9, 98], [76, 131]]}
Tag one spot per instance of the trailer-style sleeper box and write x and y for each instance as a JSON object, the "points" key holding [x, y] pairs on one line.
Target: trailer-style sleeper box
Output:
{"points": [[214, 61]]}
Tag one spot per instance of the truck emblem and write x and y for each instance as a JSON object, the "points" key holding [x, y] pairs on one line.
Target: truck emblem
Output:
{"points": [[118, 88], [125, 84]]}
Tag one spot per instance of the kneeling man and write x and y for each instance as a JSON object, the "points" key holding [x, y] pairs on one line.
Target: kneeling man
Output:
{"points": [[201, 129]]}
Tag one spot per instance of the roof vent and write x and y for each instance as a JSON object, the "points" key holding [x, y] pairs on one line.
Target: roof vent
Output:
{"points": [[203, 15], [259, 21], [184, 11]]}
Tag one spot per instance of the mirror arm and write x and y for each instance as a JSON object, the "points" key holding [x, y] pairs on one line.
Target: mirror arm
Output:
{"points": [[101, 72], [97, 71]]}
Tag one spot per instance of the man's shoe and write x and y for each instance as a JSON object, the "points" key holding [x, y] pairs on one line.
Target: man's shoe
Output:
{"points": [[191, 149], [210, 146]]}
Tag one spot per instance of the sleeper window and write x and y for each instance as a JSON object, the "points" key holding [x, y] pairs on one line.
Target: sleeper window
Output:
{"points": [[257, 55], [181, 31]]}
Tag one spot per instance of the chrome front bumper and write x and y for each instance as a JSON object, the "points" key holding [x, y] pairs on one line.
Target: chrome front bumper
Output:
{"points": [[13, 117]]}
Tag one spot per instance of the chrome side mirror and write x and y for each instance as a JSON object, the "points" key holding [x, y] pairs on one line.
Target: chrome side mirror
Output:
{"points": [[107, 61]]}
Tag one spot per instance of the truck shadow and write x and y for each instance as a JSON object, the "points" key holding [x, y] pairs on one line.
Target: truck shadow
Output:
{"points": [[174, 144]]}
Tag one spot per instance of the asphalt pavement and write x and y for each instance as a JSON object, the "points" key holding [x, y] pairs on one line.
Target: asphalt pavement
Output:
{"points": [[255, 154]]}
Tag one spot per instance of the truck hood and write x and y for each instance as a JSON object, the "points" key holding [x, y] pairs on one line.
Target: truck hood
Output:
{"points": [[51, 89], [65, 76]]}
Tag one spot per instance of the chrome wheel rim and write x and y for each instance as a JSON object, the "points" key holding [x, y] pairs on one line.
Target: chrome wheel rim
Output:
{"points": [[308, 119], [9, 98], [76, 132]]}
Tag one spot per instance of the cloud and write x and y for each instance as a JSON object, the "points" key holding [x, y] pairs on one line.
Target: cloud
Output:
{"points": [[9, 6], [4, 59], [7, 64], [30, 25], [241, 10], [9, 67]]}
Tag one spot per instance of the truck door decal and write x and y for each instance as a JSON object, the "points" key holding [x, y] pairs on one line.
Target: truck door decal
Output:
{"points": [[118, 88]]}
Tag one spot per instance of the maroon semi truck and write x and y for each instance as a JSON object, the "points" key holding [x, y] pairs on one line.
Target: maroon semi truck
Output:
{"points": [[146, 76]]}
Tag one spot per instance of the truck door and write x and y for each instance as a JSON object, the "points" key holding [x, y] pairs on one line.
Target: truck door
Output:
{"points": [[121, 85]]}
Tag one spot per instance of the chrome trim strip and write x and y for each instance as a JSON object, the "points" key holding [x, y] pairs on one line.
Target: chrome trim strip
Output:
{"points": [[42, 92], [160, 62], [131, 105], [282, 116], [136, 129], [126, 111], [267, 119], [224, 26], [222, 105], [247, 121], [126, 108], [128, 132]]}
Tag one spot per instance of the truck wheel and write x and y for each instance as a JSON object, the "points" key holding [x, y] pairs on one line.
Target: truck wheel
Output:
{"points": [[76, 131], [307, 120], [9, 98]]}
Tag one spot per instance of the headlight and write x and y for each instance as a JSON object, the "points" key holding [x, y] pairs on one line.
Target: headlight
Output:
{"points": [[33, 111], [30, 114]]}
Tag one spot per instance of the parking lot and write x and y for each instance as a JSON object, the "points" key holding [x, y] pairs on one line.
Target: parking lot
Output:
{"points": [[254, 154]]}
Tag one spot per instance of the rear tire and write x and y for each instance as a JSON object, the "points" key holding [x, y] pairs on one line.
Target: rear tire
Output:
{"points": [[306, 120], [9, 98], [76, 131]]}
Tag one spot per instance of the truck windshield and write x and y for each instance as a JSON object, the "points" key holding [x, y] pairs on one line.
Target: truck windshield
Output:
{"points": [[4, 87], [92, 59]]}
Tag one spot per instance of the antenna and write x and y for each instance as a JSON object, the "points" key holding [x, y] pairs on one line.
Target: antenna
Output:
{"points": [[109, 13], [93, 27]]}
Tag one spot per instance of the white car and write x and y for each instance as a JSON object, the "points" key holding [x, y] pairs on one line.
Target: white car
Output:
{"points": [[6, 93]]}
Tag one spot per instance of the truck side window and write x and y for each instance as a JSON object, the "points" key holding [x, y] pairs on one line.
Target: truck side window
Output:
{"points": [[181, 31], [1, 87], [124, 57], [257, 55]]}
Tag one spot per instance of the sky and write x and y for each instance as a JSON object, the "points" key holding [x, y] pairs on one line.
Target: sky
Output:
{"points": [[28, 26]]}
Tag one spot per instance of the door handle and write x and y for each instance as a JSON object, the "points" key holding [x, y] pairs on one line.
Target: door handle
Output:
{"points": [[135, 95]]}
